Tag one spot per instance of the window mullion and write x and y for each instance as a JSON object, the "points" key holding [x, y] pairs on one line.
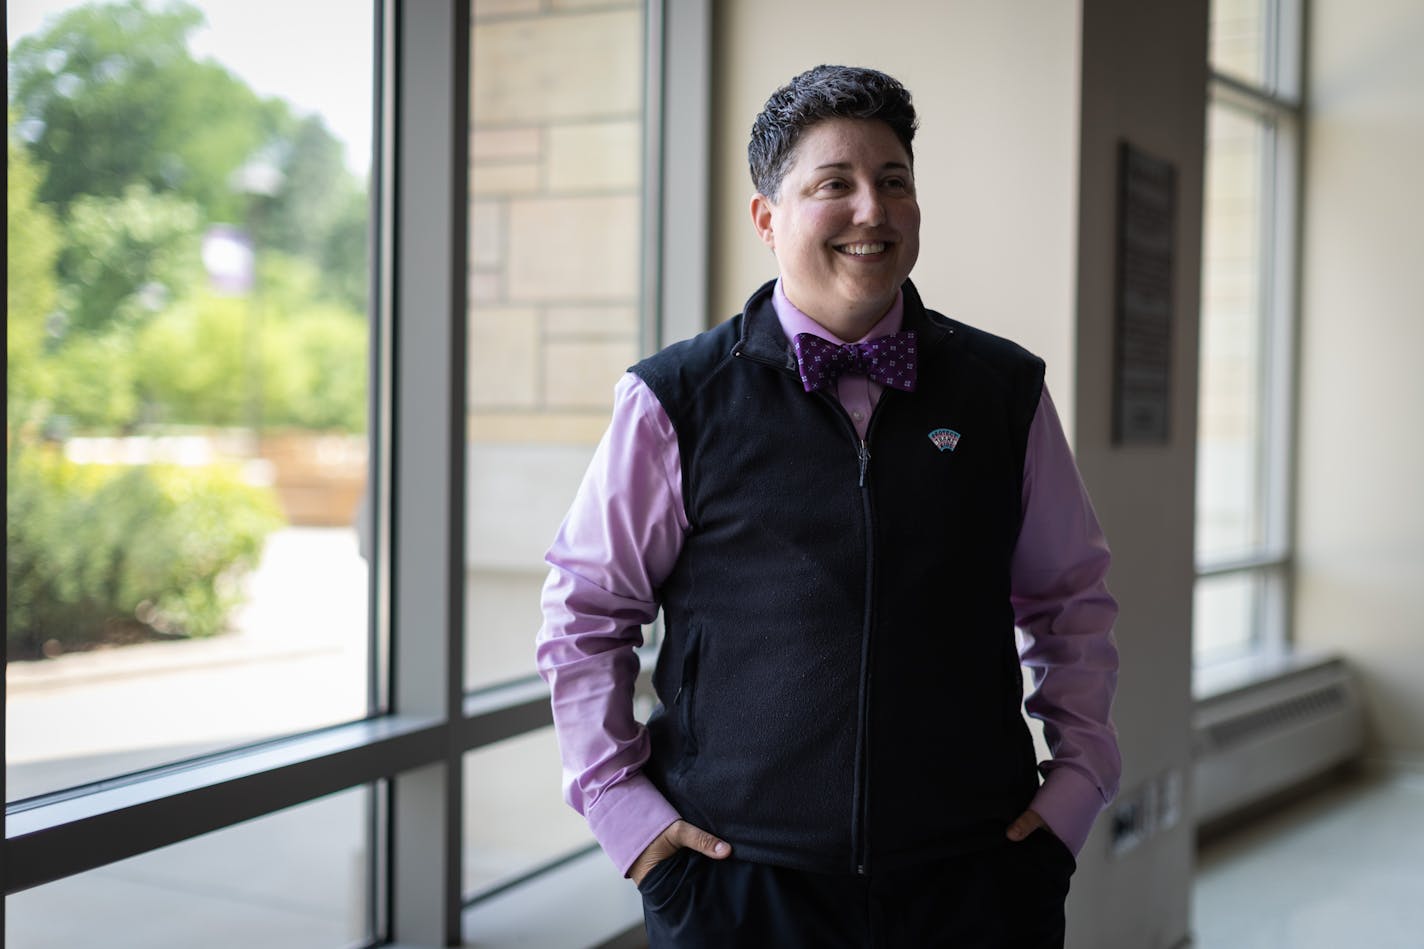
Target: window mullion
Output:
{"points": [[431, 77]]}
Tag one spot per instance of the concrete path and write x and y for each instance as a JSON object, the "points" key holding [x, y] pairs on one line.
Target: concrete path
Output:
{"points": [[296, 660]]}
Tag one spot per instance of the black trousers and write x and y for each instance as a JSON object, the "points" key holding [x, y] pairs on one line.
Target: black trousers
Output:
{"points": [[1009, 897]]}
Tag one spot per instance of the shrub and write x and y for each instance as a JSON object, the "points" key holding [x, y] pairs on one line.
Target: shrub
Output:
{"points": [[97, 552], [193, 362]]}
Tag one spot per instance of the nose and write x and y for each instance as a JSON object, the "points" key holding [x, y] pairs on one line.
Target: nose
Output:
{"points": [[869, 208]]}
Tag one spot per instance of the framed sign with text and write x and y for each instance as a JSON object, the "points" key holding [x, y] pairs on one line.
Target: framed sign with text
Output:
{"points": [[1142, 336]]}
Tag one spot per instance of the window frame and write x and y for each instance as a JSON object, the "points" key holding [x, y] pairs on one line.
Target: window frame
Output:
{"points": [[1277, 107], [421, 723]]}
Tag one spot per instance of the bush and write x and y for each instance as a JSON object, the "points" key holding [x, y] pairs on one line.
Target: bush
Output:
{"points": [[192, 364], [97, 552]]}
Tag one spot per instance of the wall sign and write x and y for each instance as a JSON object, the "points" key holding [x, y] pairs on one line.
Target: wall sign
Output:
{"points": [[1145, 258]]}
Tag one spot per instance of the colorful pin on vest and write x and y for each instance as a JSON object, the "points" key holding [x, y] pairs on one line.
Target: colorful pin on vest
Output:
{"points": [[944, 438]]}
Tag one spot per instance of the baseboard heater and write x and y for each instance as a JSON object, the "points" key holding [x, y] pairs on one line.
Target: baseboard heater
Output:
{"points": [[1265, 733]]}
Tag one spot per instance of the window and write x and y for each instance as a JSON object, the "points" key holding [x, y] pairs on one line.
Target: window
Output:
{"points": [[556, 315], [290, 880], [405, 800], [555, 295], [1248, 315], [563, 295], [188, 402]]}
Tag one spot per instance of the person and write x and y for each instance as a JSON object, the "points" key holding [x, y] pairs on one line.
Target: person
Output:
{"points": [[843, 504]]}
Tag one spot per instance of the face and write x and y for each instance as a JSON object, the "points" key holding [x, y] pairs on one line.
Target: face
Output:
{"points": [[846, 226]]}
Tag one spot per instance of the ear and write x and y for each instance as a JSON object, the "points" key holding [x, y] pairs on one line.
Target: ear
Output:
{"points": [[761, 219]]}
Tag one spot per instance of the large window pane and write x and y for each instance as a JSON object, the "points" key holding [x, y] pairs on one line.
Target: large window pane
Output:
{"points": [[187, 364], [555, 313], [515, 816], [1226, 617], [1231, 469], [297, 879], [1239, 31], [1258, 43], [1246, 352]]}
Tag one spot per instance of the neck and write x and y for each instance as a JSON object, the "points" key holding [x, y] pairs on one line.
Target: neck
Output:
{"points": [[848, 326]]}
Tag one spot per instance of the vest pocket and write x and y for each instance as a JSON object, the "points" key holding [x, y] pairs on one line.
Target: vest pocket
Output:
{"points": [[683, 701]]}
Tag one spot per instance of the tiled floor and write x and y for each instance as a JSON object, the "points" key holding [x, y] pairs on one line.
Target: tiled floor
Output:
{"points": [[1341, 869]]}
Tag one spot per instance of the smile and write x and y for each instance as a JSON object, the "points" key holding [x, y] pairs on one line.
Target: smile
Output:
{"points": [[863, 249]]}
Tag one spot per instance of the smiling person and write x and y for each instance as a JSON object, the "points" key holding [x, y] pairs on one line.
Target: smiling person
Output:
{"points": [[843, 503]]}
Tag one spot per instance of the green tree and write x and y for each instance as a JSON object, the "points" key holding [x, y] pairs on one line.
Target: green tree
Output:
{"points": [[109, 96], [319, 211], [192, 361], [92, 383], [346, 251], [122, 260], [285, 358], [316, 370], [30, 290], [109, 99], [125, 257], [138, 148]]}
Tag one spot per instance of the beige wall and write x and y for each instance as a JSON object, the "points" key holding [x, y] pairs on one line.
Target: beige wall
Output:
{"points": [[1360, 519], [995, 159], [1009, 245], [1144, 80]]}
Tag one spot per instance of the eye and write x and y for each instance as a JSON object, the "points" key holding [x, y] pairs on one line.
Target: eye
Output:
{"points": [[833, 185], [898, 183]]}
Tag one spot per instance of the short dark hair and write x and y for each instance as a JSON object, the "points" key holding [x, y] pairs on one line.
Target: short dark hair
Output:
{"points": [[825, 92]]}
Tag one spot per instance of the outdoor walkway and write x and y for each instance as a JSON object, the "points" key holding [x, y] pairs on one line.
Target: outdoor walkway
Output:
{"points": [[292, 880], [297, 660]]}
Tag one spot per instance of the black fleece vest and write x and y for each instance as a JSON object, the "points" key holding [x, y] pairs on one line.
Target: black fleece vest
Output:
{"points": [[839, 685]]}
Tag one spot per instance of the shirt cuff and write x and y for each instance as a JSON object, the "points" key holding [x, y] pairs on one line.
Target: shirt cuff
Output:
{"points": [[1068, 802], [627, 817]]}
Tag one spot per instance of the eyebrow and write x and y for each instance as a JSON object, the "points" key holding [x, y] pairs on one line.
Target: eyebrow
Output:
{"points": [[840, 165]]}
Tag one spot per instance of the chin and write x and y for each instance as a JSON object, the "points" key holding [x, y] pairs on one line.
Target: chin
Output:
{"points": [[876, 298]]}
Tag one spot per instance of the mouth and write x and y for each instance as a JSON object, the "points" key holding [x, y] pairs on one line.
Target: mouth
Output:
{"points": [[862, 248]]}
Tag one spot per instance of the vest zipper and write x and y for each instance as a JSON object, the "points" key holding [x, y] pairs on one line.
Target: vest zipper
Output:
{"points": [[860, 796], [860, 843], [861, 817], [860, 810]]}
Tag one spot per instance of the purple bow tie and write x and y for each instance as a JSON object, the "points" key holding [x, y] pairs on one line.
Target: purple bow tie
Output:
{"points": [[889, 360]]}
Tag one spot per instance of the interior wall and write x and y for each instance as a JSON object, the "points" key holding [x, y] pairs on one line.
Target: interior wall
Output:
{"points": [[1143, 81], [995, 158], [1360, 517]]}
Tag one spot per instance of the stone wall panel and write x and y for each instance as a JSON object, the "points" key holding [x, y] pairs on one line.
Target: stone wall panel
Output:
{"points": [[586, 321], [503, 357], [583, 374], [574, 249], [603, 156], [554, 68]]}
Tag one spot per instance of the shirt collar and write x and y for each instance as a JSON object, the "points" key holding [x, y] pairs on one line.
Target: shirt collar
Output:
{"points": [[793, 321]]}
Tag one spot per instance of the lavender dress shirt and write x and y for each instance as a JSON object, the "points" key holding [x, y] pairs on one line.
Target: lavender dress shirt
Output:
{"points": [[623, 535]]}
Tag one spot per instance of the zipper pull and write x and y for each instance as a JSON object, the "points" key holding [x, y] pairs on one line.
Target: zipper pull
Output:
{"points": [[864, 461]]}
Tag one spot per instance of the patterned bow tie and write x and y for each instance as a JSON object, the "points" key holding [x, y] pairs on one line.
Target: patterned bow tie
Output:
{"points": [[889, 360]]}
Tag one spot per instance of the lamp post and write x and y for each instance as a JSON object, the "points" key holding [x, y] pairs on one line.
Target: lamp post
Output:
{"points": [[256, 180]]}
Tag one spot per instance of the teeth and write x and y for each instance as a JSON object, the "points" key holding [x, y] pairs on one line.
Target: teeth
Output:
{"points": [[862, 249]]}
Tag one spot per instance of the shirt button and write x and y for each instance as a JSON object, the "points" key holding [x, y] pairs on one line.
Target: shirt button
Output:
{"points": [[857, 415]]}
